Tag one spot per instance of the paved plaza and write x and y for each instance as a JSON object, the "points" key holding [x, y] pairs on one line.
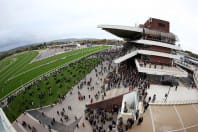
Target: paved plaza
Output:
{"points": [[72, 100], [30, 122], [181, 95], [175, 118]]}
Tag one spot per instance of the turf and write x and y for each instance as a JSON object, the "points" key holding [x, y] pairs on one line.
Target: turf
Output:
{"points": [[17, 70], [50, 88]]}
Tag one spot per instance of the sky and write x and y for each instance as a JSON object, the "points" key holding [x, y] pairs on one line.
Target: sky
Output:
{"points": [[29, 21]]}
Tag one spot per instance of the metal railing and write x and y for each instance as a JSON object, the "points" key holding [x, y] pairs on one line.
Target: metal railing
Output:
{"points": [[173, 102], [195, 78]]}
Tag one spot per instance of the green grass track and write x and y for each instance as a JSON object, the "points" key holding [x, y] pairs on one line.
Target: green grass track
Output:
{"points": [[17, 70]]}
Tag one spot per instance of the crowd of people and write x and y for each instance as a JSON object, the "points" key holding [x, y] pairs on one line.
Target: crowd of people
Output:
{"points": [[100, 120], [28, 126], [128, 76], [62, 113], [124, 75]]}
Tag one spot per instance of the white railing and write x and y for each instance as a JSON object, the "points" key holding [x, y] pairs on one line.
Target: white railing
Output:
{"points": [[195, 78], [173, 102], [185, 65]]}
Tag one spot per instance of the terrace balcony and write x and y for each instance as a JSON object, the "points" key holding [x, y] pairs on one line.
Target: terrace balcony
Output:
{"points": [[155, 69], [133, 52]]}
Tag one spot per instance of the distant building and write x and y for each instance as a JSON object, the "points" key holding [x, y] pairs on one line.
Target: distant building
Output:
{"points": [[89, 45]]}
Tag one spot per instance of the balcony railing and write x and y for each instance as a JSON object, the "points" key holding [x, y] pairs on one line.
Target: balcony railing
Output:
{"points": [[175, 102]]}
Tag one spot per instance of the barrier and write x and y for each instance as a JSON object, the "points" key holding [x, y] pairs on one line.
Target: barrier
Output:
{"points": [[195, 79], [174, 102]]}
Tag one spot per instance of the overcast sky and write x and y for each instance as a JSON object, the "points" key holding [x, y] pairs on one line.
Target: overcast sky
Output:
{"points": [[27, 21]]}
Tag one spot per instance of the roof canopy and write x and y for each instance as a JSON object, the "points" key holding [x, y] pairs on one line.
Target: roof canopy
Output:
{"points": [[125, 32], [131, 33]]}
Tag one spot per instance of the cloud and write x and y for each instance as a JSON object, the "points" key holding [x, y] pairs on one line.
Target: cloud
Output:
{"points": [[42, 20]]}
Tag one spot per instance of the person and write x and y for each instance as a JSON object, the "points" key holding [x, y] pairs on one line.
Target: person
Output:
{"points": [[91, 100], [76, 118], [146, 106], [154, 97], [176, 88], [102, 97], [166, 96], [125, 107], [83, 124], [130, 122], [137, 114], [140, 120], [53, 119], [77, 126], [149, 99], [110, 128]]}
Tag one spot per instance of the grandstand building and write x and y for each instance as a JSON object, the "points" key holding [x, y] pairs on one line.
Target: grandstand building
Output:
{"points": [[151, 45]]}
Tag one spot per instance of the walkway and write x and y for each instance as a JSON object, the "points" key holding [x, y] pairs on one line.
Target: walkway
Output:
{"points": [[29, 121], [73, 101], [183, 95]]}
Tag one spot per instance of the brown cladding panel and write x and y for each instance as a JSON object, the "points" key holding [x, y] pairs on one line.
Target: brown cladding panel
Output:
{"points": [[107, 105], [157, 24], [158, 59], [160, 49]]}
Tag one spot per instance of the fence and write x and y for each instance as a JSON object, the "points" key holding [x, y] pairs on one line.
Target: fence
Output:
{"points": [[175, 102]]}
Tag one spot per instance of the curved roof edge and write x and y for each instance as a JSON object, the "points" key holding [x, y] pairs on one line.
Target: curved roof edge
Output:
{"points": [[156, 43], [124, 32], [120, 27]]}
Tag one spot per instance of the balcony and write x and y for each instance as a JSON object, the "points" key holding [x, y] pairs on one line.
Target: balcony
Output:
{"points": [[154, 69], [134, 52]]}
